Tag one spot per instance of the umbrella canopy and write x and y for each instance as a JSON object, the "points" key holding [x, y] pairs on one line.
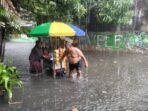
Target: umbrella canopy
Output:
{"points": [[56, 29]]}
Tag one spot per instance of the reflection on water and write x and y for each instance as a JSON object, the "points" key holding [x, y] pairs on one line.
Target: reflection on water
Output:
{"points": [[113, 82]]}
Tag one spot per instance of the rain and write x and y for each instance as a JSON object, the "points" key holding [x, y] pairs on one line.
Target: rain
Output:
{"points": [[111, 34], [113, 82]]}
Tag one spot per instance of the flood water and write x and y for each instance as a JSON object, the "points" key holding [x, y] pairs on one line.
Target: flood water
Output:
{"points": [[113, 82]]}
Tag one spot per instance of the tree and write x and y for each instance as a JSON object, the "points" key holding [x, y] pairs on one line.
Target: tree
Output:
{"points": [[78, 11], [115, 12], [8, 24], [51, 10], [111, 11]]}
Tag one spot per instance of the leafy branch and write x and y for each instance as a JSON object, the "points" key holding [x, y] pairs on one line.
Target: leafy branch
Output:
{"points": [[8, 78]]}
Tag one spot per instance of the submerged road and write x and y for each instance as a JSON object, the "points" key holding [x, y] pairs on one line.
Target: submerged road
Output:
{"points": [[114, 82]]}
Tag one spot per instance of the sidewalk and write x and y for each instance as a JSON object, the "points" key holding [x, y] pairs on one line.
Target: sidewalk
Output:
{"points": [[22, 39]]}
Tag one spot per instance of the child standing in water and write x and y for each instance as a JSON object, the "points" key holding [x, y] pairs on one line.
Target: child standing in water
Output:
{"points": [[48, 61]]}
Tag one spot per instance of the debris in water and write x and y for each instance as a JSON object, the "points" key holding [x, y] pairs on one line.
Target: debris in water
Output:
{"points": [[139, 61], [104, 92], [11, 103], [101, 60], [115, 62]]}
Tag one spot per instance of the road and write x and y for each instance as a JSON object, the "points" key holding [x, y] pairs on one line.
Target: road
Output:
{"points": [[113, 82]]}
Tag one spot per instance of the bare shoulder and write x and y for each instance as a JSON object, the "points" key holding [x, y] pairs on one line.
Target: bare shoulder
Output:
{"points": [[77, 49]]}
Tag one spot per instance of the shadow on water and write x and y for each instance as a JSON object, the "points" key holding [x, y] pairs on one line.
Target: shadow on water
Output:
{"points": [[113, 82]]}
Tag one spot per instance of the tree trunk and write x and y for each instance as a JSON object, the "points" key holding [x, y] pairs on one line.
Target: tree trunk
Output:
{"points": [[42, 19], [2, 44], [118, 29]]}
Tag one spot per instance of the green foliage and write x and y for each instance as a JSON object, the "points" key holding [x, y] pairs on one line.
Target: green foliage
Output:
{"points": [[9, 20], [110, 11], [60, 10], [106, 11], [114, 11], [9, 78]]}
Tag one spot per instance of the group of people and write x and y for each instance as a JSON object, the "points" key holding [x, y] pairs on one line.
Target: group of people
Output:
{"points": [[73, 54]]}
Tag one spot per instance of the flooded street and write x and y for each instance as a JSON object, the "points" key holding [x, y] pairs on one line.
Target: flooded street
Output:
{"points": [[113, 82]]}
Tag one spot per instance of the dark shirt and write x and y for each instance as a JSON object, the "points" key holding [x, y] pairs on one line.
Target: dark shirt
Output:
{"points": [[36, 54]]}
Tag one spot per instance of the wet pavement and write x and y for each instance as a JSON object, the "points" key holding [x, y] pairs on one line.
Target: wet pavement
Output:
{"points": [[113, 82]]}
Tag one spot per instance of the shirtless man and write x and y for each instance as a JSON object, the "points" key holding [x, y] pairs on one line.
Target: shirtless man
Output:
{"points": [[74, 57]]}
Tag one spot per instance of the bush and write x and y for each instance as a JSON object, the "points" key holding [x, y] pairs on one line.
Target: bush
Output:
{"points": [[9, 78]]}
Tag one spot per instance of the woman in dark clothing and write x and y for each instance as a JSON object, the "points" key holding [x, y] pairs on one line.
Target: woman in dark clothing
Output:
{"points": [[35, 58]]}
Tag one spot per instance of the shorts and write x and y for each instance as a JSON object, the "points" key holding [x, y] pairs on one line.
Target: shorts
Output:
{"points": [[76, 66]]}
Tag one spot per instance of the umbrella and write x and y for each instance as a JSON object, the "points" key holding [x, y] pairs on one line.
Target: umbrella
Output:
{"points": [[56, 29]]}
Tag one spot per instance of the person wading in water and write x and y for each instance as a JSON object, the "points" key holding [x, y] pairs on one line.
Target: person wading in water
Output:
{"points": [[74, 57], [35, 58]]}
